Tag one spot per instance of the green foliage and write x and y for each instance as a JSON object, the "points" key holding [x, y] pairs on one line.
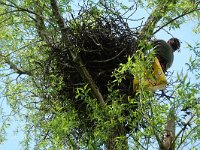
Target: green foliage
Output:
{"points": [[193, 96], [35, 86]]}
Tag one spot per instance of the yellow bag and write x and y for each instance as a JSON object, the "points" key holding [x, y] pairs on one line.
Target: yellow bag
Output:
{"points": [[154, 81]]}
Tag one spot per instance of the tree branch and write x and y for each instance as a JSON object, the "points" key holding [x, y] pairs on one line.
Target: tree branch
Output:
{"points": [[182, 15], [39, 20], [169, 135], [40, 25], [188, 134], [14, 67], [76, 58], [88, 79], [58, 16], [147, 31], [17, 8], [185, 125]]}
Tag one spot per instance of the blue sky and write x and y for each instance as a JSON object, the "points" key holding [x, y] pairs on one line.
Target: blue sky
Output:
{"points": [[184, 34]]}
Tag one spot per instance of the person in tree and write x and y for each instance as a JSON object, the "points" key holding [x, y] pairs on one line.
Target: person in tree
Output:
{"points": [[164, 51]]}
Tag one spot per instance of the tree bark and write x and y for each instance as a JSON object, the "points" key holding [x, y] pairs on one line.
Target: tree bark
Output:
{"points": [[169, 135], [157, 14], [88, 79]]}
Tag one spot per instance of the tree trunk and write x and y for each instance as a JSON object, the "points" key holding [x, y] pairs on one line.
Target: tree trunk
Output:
{"points": [[168, 142]]}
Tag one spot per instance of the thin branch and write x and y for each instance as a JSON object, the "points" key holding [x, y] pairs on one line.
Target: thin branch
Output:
{"points": [[185, 125], [14, 67], [18, 8], [182, 15], [182, 140], [40, 26], [110, 59], [138, 143]]}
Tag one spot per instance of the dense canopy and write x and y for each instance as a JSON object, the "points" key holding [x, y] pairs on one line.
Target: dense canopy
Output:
{"points": [[67, 72]]}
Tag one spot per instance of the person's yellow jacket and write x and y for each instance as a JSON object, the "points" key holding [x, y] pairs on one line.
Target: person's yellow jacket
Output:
{"points": [[152, 81]]}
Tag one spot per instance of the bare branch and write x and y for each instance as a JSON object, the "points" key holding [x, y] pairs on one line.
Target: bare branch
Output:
{"points": [[110, 59], [88, 79]]}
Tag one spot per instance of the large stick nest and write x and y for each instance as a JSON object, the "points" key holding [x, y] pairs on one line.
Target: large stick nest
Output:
{"points": [[102, 42]]}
